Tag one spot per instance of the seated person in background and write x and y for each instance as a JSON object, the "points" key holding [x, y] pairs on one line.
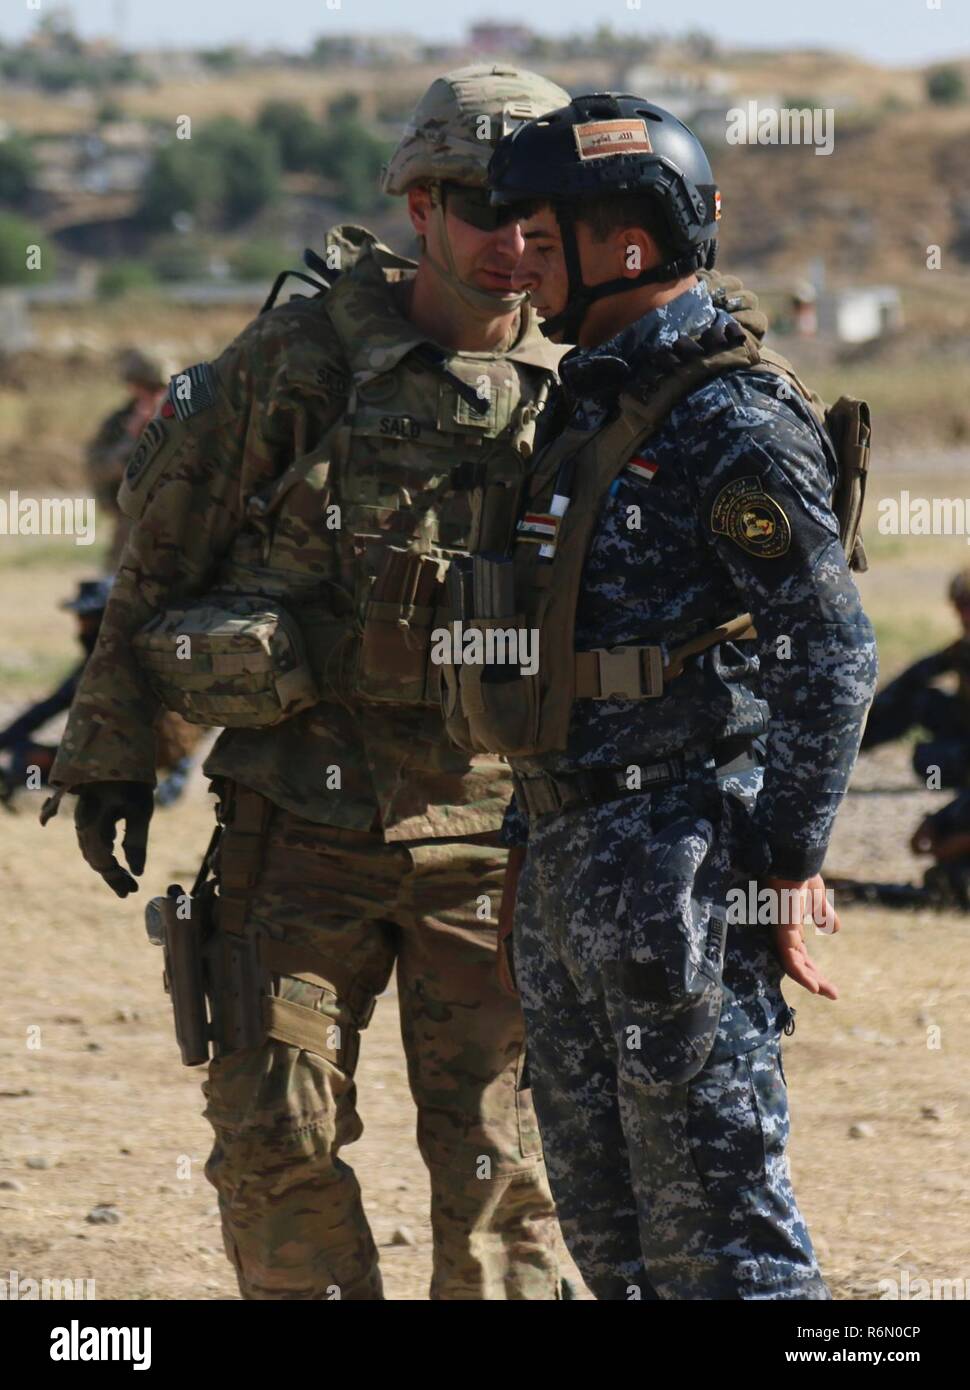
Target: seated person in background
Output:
{"points": [[912, 701], [29, 763]]}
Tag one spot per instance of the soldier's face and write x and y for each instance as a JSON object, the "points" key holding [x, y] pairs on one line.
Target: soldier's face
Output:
{"points": [[485, 259]]}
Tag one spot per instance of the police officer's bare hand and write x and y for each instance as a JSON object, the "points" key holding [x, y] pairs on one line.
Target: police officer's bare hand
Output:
{"points": [[924, 837], [798, 904], [100, 807]]}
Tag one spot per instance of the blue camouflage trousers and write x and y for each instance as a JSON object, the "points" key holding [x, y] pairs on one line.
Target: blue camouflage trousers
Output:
{"points": [[655, 1069]]}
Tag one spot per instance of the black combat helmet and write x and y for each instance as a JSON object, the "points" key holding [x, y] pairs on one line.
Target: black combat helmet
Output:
{"points": [[603, 144], [91, 596]]}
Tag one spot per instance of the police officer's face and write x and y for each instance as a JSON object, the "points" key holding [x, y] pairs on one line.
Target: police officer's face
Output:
{"points": [[541, 271], [484, 257]]}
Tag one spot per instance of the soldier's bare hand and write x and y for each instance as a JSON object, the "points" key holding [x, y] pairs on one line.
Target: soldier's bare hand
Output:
{"points": [[100, 808], [800, 903]]}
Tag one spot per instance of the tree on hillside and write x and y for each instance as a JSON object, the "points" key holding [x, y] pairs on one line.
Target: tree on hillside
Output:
{"points": [[17, 169], [16, 239], [352, 157], [296, 133], [225, 174], [946, 86], [181, 178], [249, 163]]}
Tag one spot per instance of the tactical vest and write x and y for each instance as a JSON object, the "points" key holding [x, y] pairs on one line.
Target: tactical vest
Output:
{"points": [[349, 546], [494, 708]]}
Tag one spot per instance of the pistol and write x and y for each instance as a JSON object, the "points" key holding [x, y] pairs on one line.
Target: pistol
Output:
{"points": [[172, 924]]}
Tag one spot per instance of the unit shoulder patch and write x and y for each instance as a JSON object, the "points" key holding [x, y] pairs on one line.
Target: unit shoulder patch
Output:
{"points": [[745, 513], [152, 439]]}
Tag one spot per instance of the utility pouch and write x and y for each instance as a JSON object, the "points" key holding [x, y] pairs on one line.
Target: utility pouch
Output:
{"points": [[235, 660], [498, 705], [394, 660]]}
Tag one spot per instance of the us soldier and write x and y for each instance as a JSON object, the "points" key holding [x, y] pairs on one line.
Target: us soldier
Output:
{"points": [[912, 701], [356, 836], [88, 606], [654, 1026], [111, 447]]}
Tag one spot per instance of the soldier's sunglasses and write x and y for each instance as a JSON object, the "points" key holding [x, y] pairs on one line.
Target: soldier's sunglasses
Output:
{"points": [[471, 205]]}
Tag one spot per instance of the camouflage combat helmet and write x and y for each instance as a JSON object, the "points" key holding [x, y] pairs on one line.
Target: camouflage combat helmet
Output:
{"points": [[460, 119], [960, 587], [143, 368], [450, 138]]}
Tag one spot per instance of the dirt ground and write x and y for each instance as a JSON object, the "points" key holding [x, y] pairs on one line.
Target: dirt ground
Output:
{"points": [[95, 1109]]}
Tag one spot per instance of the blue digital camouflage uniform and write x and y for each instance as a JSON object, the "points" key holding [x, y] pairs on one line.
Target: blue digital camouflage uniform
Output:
{"points": [[667, 1156]]}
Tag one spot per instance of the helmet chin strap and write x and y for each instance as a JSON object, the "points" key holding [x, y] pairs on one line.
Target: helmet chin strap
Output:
{"points": [[580, 296], [484, 304]]}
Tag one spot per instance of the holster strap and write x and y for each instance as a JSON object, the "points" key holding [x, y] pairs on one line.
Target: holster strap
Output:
{"points": [[301, 1027], [548, 794], [299, 962], [640, 673], [551, 794]]}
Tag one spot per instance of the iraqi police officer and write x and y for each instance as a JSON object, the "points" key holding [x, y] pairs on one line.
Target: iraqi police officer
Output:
{"points": [[322, 463], [913, 700], [668, 755]]}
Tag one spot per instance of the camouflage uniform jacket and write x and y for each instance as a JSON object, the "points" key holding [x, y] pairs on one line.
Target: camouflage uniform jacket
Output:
{"points": [[807, 680], [270, 398]]}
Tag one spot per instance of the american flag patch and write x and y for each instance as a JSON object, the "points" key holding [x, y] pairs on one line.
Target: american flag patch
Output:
{"points": [[539, 524], [192, 390], [642, 468]]}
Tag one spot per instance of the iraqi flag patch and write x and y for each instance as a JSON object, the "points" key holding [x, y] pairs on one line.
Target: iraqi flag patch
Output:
{"points": [[643, 468], [538, 526], [598, 139]]}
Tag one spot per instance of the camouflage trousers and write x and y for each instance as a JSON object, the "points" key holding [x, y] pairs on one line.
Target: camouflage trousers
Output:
{"points": [[660, 1091], [292, 1217]]}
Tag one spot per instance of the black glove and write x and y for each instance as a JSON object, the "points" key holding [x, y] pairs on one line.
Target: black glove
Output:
{"points": [[100, 806]]}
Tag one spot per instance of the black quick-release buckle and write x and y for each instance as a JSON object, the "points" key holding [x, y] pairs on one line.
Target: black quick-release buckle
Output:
{"points": [[548, 794]]}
